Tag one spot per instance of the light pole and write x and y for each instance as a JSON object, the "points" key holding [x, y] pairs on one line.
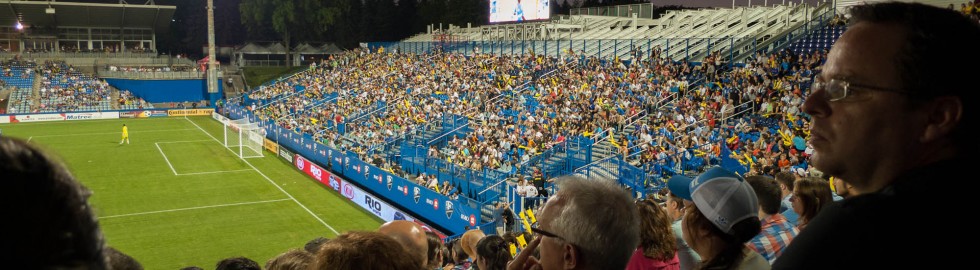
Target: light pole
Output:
{"points": [[212, 72]]}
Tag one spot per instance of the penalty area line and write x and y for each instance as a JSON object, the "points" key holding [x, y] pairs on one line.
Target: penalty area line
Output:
{"points": [[166, 159], [268, 179], [214, 172], [190, 208]]}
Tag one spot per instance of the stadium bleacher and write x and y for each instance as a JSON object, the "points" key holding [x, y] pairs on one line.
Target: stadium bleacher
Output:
{"points": [[55, 86], [515, 131]]}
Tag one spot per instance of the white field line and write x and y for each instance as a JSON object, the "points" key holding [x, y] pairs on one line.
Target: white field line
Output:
{"points": [[186, 141], [29, 139], [191, 208], [166, 159], [214, 172], [268, 179], [197, 173], [107, 133]]}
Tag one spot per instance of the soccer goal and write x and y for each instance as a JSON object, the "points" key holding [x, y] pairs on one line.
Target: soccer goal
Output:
{"points": [[244, 138]]}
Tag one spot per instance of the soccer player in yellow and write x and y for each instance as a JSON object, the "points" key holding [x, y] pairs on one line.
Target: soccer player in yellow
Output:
{"points": [[125, 135]]}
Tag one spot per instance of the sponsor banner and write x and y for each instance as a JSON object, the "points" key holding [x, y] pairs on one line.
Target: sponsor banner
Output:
{"points": [[91, 115], [4, 119], [357, 195], [286, 155], [220, 118], [143, 114], [190, 112], [430, 204], [37, 118], [159, 113], [134, 114], [270, 145]]}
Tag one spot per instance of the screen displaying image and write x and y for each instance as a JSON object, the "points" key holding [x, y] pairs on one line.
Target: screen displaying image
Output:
{"points": [[519, 10]]}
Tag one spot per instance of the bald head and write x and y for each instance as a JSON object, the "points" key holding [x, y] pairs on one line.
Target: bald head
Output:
{"points": [[469, 240], [409, 235]]}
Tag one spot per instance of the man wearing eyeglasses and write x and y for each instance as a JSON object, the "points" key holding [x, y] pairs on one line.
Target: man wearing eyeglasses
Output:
{"points": [[587, 224], [890, 114]]}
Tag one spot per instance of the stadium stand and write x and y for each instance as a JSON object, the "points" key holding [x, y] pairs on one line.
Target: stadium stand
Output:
{"points": [[463, 122], [574, 114], [55, 86]]}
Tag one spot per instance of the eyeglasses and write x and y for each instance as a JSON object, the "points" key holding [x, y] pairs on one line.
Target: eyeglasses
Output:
{"points": [[840, 89], [537, 230]]}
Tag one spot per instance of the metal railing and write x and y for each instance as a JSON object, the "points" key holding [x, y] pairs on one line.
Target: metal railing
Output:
{"points": [[56, 54], [156, 75]]}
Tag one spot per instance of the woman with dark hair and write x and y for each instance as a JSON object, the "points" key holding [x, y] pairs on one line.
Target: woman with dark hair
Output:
{"points": [[723, 217], [492, 253], [720, 250], [435, 250], [658, 248], [810, 194]]}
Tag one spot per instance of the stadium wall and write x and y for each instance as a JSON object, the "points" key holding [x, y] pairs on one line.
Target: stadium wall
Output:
{"points": [[449, 216], [167, 90]]}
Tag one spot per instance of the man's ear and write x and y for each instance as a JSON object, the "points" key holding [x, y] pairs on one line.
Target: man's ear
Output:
{"points": [[571, 257], [944, 115]]}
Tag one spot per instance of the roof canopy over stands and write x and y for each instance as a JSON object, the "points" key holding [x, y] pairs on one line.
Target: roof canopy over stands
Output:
{"points": [[79, 32], [70, 14]]}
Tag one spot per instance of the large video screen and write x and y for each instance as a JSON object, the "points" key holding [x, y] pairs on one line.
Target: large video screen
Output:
{"points": [[519, 10]]}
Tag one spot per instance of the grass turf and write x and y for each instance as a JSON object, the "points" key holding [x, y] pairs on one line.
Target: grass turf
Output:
{"points": [[177, 197]]}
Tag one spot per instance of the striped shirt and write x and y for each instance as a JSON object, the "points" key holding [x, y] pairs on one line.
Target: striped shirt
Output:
{"points": [[776, 234]]}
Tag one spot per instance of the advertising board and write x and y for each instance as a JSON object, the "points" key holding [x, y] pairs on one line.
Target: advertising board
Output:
{"points": [[190, 112], [355, 194]]}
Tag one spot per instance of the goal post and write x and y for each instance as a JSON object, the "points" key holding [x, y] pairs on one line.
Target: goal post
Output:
{"points": [[244, 138]]}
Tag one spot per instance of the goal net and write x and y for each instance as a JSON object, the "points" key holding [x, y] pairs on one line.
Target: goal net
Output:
{"points": [[244, 138]]}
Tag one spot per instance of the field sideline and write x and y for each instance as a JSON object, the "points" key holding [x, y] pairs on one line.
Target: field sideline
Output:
{"points": [[177, 197]]}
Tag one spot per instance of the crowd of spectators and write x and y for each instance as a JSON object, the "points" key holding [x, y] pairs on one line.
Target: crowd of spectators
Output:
{"points": [[23, 69], [62, 88], [664, 116], [377, 100], [969, 9]]}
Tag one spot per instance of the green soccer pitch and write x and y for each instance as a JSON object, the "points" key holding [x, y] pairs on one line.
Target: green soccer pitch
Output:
{"points": [[177, 197]]}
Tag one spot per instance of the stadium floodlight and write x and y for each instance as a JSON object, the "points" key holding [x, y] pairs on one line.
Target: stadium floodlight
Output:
{"points": [[244, 138]]}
